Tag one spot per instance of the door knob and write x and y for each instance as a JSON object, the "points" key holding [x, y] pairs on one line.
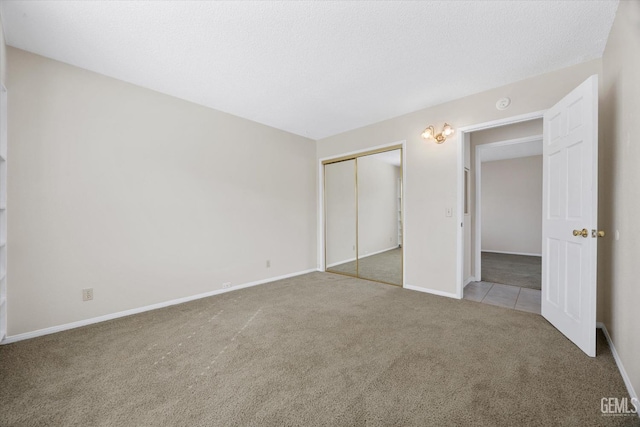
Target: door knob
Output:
{"points": [[584, 233], [600, 233]]}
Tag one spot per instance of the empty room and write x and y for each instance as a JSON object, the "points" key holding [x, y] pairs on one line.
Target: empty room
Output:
{"points": [[266, 213]]}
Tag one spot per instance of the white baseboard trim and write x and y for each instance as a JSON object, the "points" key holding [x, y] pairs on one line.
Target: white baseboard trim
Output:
{"points": [[511, 253], [363, 256], [623, 372], [111, 316], [431, 291], [469, 280]]}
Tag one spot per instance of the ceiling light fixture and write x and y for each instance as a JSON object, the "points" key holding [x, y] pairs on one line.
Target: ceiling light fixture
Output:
{"points": [[430, 133]]}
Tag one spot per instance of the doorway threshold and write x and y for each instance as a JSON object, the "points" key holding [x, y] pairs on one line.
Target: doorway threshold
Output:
{"points": [[507, 296]]}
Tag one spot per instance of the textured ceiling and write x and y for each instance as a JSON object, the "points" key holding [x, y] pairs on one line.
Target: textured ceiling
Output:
{"points": [[313, 68]]}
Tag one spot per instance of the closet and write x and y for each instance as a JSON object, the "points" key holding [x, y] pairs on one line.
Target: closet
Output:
{"points": [[363, 215]]}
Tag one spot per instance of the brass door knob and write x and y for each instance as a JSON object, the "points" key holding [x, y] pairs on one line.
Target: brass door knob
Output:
{"points": [[584, 233], [600, 233]]}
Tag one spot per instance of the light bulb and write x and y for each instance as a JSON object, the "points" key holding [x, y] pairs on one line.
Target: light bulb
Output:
{"points": [[428, 133]]}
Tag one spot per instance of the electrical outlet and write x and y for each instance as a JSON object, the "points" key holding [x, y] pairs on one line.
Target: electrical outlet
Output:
{"points": [[268, 263], [449, 212], [87, 294], [226, 285]]}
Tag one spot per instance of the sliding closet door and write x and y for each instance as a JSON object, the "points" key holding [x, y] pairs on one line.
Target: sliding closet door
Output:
{"points": [[380, 217], [340, 217], [363, 216]]}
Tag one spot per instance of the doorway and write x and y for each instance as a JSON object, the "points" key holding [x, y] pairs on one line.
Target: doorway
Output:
{"points": [[569, 211], [506, 224]]}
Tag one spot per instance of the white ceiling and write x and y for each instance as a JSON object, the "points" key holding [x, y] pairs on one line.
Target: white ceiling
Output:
{"points": [[313, 68]]}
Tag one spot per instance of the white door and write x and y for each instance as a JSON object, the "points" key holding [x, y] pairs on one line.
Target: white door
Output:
{"points": [[570, 197]]}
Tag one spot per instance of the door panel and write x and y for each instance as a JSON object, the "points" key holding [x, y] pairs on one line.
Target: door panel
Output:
{"points": [[574, 287], [554, 271], [340, 217], [570, 203], [379, 214]]}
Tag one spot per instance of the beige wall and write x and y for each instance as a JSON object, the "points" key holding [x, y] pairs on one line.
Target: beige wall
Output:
{"points": [[511, 205], [618, 290], [431, 184], [3, 56], [3, 169], [141, 196]]}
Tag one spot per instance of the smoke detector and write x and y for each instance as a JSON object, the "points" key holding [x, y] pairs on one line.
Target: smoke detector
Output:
{"points": [[503, 103]]}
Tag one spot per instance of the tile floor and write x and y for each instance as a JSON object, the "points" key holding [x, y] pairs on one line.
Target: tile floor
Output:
{"points": [[515, 297]]}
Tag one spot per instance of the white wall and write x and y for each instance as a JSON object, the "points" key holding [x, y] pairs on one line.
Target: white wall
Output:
{"points": [[142, 196], [431, 184], [3, 168], [3, 56], [511, 207], [619, 154], [377, 205]]}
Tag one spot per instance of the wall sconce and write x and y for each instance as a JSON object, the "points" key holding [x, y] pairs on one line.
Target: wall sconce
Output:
{"points": [[430, 132]]}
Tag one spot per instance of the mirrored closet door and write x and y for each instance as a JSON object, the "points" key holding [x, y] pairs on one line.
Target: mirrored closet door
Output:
{"points": [[340, 216], [363, 213]]}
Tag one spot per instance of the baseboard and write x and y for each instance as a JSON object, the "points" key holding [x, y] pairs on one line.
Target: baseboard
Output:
{"points": [[363, 256], [431, 291], [111, 316], [511, 253], [623, 372], [469, 280]]}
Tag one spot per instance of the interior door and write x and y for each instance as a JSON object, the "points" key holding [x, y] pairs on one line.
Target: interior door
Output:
{"points": [[569, 224]]}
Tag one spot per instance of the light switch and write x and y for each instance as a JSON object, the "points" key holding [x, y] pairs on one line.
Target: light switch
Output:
{"points": [[449, 212]]}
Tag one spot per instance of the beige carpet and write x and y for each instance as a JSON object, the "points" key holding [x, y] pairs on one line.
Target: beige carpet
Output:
{"points": [[315, 350], [383, 267]]}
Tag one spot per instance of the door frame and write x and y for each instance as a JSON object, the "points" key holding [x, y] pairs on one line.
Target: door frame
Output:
{"points": [[4, 137], [477, 248], [462, 132], [321, 225]]}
